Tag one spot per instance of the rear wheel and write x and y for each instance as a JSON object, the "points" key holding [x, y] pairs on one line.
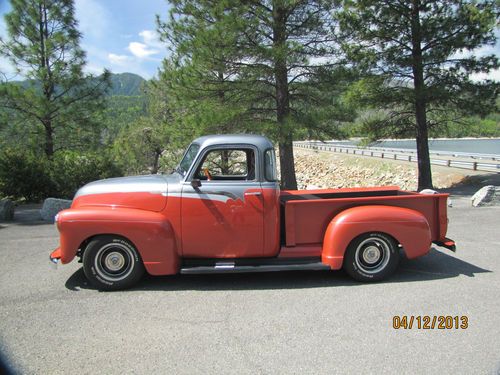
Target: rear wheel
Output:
{"points": [[112, 263], [371, 257]]}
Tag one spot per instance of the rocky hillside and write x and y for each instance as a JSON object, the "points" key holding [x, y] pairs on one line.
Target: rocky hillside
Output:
{"points": [[331, 170]]}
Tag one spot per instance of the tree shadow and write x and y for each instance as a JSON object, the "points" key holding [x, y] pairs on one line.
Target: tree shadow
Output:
{"points": [[32, 223], [470, 184], [434, 266]]}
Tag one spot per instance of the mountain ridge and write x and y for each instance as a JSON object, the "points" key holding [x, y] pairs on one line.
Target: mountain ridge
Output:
{"points": [[122, 84]]}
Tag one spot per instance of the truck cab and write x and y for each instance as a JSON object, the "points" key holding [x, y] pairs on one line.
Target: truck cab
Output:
{"points": [[230, 198], [222, 210]]}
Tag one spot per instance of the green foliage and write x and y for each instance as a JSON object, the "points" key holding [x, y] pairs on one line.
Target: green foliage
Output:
{"points": [[58, 98], [121, 111], [24, 175], [33, 177], [71, 170], [418, 61], [253, 67], [151, 142]]}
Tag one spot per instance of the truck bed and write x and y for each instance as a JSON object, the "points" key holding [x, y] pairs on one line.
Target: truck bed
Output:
{"points": [[307, 213]]}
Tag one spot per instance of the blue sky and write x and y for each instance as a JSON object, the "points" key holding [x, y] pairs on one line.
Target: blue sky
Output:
{"points": [[117, 34], [121, 35]]}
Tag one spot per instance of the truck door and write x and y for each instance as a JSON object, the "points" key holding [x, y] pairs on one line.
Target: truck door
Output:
{"points": [[222, 205]]}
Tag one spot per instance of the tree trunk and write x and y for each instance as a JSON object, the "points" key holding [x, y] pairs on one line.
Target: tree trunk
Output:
{"points": [[49, 138], [424, 161], [48, 85], [156, 161], [288, 178]]}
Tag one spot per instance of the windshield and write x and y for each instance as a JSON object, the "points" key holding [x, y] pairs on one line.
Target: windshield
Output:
{"points": [[188, 158]]}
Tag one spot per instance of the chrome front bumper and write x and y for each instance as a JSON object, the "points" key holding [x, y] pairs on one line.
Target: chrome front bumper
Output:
{"points": [[55, 257], [54, 262]]}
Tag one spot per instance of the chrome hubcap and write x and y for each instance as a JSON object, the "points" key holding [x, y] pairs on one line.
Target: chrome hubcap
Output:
{"points": [[114, 261], [371, 254]]}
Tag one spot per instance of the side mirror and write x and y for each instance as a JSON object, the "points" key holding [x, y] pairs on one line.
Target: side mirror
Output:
{"points": [[195, 183]]}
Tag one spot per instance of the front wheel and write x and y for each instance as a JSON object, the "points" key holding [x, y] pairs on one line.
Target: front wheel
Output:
{"points": [[371, 257], [112, 263]]}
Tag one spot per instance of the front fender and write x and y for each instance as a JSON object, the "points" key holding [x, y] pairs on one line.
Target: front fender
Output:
{"points": [[150, 232], [409, 227]]}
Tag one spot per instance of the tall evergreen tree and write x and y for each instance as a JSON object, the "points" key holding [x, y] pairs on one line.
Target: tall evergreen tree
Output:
{"points": [[43, 45], [260, 57], [198, 75], [419, 55]]}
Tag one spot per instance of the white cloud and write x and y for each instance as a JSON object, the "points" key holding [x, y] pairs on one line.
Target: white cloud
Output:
{"points": [[94, 69], [151, 38], [141, 50], [118, 59]]}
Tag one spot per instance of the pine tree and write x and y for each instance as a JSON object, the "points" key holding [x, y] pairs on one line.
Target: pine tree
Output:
{"points": [[260, 60], [418, 54], [43, 45]]}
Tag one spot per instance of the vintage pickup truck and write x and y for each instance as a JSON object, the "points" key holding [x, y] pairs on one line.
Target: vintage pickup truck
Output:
{"points": [[221, 210]]}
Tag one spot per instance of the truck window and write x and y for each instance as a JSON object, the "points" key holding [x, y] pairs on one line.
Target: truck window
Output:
{"points": [[270, 165], [227, 164], [188, 158]]}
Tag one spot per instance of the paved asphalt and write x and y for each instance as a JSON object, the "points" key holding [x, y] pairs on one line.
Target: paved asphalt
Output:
{"points": [[52, 322]]}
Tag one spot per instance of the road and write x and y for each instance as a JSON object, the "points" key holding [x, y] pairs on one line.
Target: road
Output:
{"points": [[288, 323]]}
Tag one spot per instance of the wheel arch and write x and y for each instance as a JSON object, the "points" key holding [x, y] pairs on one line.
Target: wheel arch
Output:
{"points": [[86, 241], [150, 233], [407, 227]]}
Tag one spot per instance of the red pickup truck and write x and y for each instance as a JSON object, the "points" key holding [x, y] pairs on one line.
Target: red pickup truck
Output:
{"points": [[221, 210]]}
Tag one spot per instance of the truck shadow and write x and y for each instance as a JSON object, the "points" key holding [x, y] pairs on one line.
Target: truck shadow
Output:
{"points": [[434, 266]]}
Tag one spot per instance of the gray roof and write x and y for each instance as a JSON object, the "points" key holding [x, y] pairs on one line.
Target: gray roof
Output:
{"points": [[222, 139]]}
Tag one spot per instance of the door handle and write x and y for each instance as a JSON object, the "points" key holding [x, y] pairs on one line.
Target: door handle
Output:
{"points": [[257, 193]]}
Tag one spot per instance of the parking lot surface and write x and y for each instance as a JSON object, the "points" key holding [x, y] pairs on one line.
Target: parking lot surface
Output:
{"points": [[52, 321]]}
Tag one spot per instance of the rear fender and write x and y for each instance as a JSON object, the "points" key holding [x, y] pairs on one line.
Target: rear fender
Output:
{"points": [[150, 232], [408, 227]]}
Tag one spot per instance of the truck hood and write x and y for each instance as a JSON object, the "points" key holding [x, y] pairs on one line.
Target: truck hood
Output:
{"points": [[140, 192]]}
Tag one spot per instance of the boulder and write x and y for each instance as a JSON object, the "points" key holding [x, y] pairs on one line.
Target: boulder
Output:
{"points": [[6, 210], [486, 196], [51, 206], [428, 191]]}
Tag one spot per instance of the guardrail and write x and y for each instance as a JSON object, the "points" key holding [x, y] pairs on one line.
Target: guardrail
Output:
{"points": [[410, 155]]}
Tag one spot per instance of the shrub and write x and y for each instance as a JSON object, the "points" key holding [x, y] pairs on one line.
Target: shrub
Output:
{"points": [[27, 175], [71, 170], [24, 175]]}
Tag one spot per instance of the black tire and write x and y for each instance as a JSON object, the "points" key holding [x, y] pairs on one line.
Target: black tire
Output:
{"points": [[112, 263], [371, 257]]}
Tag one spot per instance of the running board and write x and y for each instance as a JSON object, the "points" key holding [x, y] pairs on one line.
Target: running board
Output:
{"points": [[232, 267]]}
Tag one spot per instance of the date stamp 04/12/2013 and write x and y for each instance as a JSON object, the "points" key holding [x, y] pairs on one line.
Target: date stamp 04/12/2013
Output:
{"points": [[430, 322]]}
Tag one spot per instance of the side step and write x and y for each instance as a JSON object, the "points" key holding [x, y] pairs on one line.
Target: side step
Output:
{"points": [[235, 266]]}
